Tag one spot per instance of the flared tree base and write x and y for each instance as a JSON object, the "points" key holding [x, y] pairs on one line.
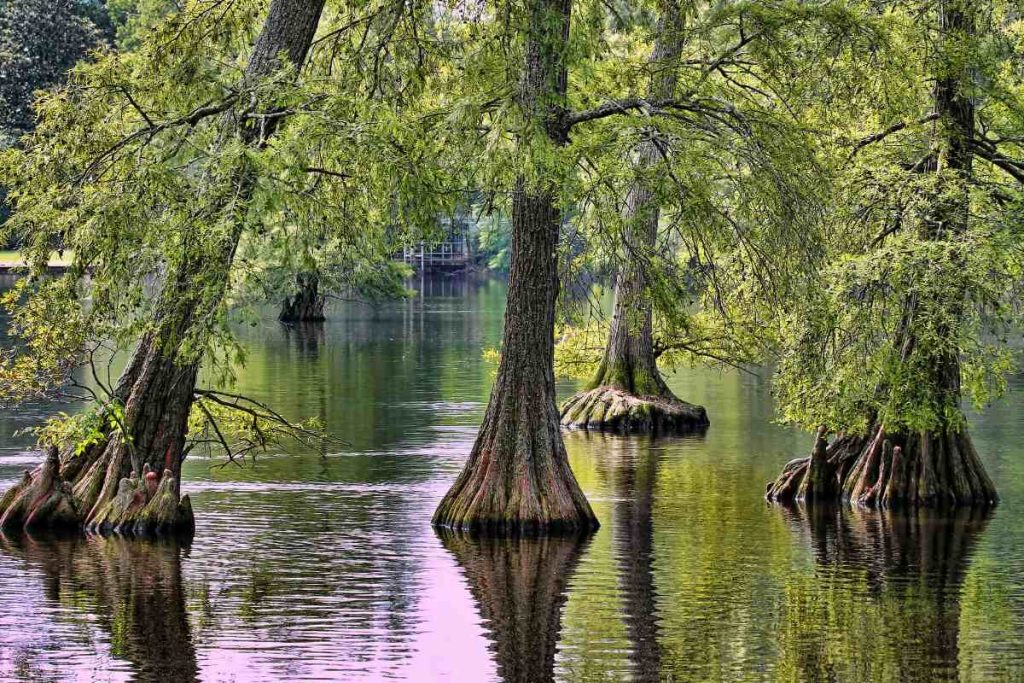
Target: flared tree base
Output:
{"points": [[74, 497], [881, 470], [609, 409], [517, 482], [516, 510], [306, 305]]}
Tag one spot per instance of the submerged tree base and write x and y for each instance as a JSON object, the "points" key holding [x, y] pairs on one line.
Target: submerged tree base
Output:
{"points": [[479, 505], [881, 470], [306, 305], [609, 409], [71, 495], [517, 481]]}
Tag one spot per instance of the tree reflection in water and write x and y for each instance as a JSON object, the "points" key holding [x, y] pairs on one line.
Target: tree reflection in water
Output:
{"points": [[134, 589], [888, 582], [519, 585], [629, 466]]}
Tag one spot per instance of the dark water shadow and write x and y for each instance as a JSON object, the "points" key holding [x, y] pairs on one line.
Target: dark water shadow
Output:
{"points": [[306, 338], [629, 467], [916, 559], [519, 585], [133, 588]]}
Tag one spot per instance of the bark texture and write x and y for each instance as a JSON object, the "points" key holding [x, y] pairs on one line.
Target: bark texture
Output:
{"points": [[306, 305], [517, 479], [923, 469], [628, 393], [519, 585], [134, 587], [129, 482], [938, 467]]}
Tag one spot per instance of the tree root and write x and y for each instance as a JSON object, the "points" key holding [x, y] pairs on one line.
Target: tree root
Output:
{"points": [[609, 409], [71, 495], [40, 500], [926, 469]]}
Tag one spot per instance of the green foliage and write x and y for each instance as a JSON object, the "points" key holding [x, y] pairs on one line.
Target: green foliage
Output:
{"points": [[844, 362], [494, 241], [794, 216], [136, 19], [737, 178], [132, 168], [81, 430], [918, 295], [687, 339]]}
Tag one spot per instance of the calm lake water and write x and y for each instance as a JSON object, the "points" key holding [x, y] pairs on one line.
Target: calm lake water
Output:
{"points": [[323, 566]]}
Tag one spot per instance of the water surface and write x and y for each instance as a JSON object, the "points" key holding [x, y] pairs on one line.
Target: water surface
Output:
{"points": [[320, 564]]}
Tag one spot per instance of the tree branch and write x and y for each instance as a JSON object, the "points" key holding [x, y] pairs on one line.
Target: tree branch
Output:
{"points": [[624, 106], [1013, 167], [190, 119], [895, 128], [324, 171]]}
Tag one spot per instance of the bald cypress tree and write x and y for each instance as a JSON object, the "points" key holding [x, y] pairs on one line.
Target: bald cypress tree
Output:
{"points": [[911, 324], [127, 477], [628, 392], [517, 478]]}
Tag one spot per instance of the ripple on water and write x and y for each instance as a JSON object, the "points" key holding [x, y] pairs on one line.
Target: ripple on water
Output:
{"points": [[326, 568]]}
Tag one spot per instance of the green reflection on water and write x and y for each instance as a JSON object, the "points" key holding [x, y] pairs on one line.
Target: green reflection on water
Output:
{"points": [[691, 576]]}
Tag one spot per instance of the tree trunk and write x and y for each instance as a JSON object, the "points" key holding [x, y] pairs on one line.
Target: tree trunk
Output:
{"points": [[938, 467], [307, 304], [628, 393], [129, 482], [517, 478], [519, 585]]}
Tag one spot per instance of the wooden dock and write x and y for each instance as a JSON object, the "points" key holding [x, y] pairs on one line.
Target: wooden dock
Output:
{"points": [[15, 266], [454, 252]]}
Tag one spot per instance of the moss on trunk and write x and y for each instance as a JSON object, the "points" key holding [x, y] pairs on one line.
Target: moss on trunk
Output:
{"points": [[614, 410]]}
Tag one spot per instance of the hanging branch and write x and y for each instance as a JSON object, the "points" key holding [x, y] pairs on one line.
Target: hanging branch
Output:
{"points": [[264, 426], [895, 128]]}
